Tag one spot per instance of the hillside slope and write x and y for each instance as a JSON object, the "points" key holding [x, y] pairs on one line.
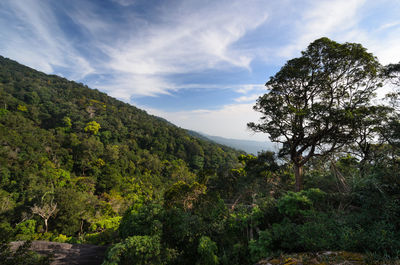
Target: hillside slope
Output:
{"points": [[90, 153]]}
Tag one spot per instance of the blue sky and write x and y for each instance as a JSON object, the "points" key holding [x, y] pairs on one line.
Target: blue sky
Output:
{"points": [[200, 64]]}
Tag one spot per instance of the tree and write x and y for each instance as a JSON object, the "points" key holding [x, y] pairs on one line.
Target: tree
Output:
{"points": [[391, 131], [372, 121], [393, 73], [313, 101], [92, 127], [45, 210]]}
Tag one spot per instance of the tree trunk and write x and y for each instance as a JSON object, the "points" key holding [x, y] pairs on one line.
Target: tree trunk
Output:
{"points": [[45, 224], [298, 173]]}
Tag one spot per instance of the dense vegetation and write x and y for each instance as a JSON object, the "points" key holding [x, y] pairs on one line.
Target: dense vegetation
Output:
{"points": [[100, 171], [74, 159]]}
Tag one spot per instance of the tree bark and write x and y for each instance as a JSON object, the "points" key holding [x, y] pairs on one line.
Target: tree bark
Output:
{"points": [[45, 224], [298, 173]]}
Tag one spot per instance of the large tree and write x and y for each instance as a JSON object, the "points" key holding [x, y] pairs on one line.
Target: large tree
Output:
{"points": [[391, 133], [314, 100]]}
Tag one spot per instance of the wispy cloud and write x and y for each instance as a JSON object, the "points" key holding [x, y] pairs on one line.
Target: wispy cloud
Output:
{"points": [[250, 92], [190, 38], [322, 18], [250, 98], [389, 25], [125, 86], [37, 40], [140, 53], [348, 21], [124, 2], [133, 48], [246, 88]]}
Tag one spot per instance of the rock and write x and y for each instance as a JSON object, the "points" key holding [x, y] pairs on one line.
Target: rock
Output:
{"points": [[64, 253]]}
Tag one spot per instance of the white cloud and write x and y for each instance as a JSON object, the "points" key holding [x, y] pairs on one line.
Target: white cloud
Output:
{"points": [[322, 18], [246, 88], [389, 25], [141, 55], [250, 98], [229, 121], [92, 22], [385, 48], [144, 85], [37, 41], [125, 2], [346, 21], [190, 39]]}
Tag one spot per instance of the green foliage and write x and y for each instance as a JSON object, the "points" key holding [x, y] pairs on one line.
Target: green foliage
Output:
{"points": [[3, 111], [295, 204], [141, 220], [6, 231], [184, 200], [183, 195], [103, 224], [22, 108], [316, 102], [96, 154], [21, 256], [67, 122], [261, 248], [25, 230], [92, 127], [140, 250], [207, 250], [61, 238]]}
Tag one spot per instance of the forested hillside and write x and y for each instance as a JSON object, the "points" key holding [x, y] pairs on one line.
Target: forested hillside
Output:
{"points": [[78, 166], [86, 154]]}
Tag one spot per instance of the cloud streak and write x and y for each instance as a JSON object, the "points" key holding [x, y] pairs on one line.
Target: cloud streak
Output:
{"points": [[322, 18], [37, 40], [191, 40], [134, 48]]}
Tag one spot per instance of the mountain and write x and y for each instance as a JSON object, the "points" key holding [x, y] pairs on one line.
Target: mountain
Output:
{"points": [[249, 146], [92, 154]]}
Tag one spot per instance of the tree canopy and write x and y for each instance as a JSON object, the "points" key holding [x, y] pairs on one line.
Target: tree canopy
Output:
{"points": [[314, 100]]}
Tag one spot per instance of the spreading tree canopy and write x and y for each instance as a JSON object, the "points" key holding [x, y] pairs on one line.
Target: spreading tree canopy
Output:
{"points": [[393, 73], [314, 100]]}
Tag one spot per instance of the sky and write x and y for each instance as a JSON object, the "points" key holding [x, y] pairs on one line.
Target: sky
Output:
{"points": [[199, 64]]}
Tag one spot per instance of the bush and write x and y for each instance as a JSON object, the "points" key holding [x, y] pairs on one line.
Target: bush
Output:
{"points": [[25, 230], [61, 238], [297, 205], [207, 250], [142, 221], [6, 232], [138, 250], [105, 224], [261, 248]]}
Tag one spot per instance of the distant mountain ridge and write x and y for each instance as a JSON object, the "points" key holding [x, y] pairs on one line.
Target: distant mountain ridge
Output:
{"points": [[249, 146]]}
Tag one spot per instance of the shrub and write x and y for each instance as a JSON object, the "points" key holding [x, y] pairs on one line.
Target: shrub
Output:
{"points": [[142, 221], [138, 250], [25, 230], [207, 252], [297, 204], [261, 248]]}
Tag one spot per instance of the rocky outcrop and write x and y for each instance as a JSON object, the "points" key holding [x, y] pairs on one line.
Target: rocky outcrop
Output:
{"points": [[64, 253], [325, 258]]}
